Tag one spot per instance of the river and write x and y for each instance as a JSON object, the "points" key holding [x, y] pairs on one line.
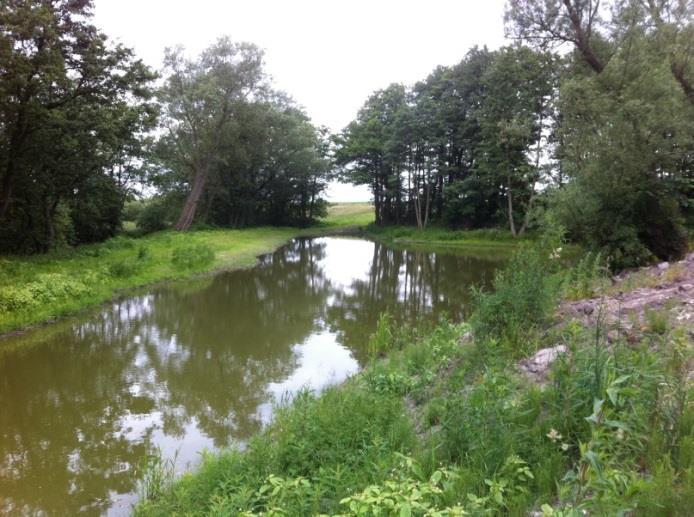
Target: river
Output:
{"points": [[199, 364]]}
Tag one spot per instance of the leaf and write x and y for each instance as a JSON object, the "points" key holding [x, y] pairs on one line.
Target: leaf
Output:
{"points": [[436, 477], [405, 510], [613, 394]]}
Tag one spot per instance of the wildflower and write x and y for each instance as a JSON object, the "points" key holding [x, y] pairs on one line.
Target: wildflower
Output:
{"points": [[554, 435], [620, 434], [564, 447]]}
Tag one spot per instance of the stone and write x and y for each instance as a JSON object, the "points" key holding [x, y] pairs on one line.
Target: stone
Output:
{"points": [[663, 266], [538, 365]]}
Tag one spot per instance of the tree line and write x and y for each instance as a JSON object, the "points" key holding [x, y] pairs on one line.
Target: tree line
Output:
{"points": [[587, 116], [84, 124]]}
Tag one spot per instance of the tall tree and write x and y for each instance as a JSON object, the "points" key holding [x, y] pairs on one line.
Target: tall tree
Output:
{"points": [[366, 154], [518, 92], [199, 101], [550, 22], [71, 106]]}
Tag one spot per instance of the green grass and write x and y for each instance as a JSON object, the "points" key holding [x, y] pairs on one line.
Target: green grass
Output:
{"points": [[444, 427], [437, 426], [436, 236], [349, 215], [42, 288]]}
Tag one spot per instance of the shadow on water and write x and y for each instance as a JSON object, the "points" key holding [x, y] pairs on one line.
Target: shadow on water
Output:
{"points": [[199, 364]]}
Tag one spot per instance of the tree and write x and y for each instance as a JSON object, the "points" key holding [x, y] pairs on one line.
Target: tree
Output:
{"points": [[518, 90], [72, 109], [627, 148], [583, 24], [199, 104], [368, 154], [625, 136], [550, 22]]}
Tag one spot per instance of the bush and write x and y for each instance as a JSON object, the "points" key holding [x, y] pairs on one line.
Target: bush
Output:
{"points": [[586, 278], [123, 268], [192, 256], [133, 209], [46, 288], [154, 217], [522, 297]]}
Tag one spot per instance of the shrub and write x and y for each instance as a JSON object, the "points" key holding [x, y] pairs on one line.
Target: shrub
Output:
{"points": [[522, 296], [46, 288], [586, 278], [153, 217], [196, 255], [123, 268]]}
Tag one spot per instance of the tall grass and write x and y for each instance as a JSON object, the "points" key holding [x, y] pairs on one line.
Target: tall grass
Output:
{"points": [[522, 297]]}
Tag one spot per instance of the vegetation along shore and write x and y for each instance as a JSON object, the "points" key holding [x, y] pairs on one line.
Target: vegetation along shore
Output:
{"points": [[41, 288], [525, 409]]}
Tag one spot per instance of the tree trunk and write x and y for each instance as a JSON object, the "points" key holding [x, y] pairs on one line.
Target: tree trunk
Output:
{"points": [[5, 193], [191, 206], [582, 38], [509, 199]]}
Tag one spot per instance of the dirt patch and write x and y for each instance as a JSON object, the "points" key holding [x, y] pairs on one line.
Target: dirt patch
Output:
{"points": [[627, 304]]}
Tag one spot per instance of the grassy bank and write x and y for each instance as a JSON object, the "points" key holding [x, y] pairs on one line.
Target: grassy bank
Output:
{"points": [[343, 215], [447, 423], [439, 237], [44, 287]]}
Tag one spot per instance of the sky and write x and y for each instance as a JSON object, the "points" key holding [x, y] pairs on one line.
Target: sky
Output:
{"points": [[328, 55]]}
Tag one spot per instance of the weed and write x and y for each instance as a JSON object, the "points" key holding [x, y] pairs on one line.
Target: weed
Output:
{"points": [[587, 278], [193, 256], [156, 476], [657, 321], [522, 296], [123, 268], [381, 341]]}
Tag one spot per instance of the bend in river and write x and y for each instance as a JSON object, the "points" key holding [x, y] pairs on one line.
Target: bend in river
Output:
{"points": [[198, 365]]}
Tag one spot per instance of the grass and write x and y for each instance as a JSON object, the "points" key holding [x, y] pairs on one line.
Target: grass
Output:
{"points": [[42, 288], [349, 215], [440, 426], [435, 236]]}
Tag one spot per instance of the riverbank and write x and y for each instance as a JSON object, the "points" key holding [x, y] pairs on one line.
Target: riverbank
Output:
{"points": [[443, 237], [525, 409], [43, 288]]}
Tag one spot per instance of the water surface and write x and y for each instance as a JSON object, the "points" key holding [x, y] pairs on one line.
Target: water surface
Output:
{"points": [[198, 365]]}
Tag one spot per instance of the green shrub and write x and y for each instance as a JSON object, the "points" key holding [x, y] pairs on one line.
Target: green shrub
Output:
{"points": [[522, 297], [46, 288], [123, 268], [153, 217], [586, 278], [191, 256]]}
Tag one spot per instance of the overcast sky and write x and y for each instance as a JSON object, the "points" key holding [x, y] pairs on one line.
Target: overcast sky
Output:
{"points": [[328, 55]]}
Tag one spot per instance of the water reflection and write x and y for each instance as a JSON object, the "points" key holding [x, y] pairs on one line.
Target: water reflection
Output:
{"points": [[198, 365]]}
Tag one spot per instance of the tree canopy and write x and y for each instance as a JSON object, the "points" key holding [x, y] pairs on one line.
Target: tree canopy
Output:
{"points": [[588, 114], [74, 110]]}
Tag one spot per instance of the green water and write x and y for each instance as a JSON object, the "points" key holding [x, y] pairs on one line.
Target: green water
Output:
{"points": [[197, 365]]}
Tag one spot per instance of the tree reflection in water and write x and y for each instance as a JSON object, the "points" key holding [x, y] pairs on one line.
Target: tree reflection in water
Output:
{"points": [[198, 364]]}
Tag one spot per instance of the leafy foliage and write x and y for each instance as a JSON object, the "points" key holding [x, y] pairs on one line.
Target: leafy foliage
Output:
{"points": [[73, 109]]}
